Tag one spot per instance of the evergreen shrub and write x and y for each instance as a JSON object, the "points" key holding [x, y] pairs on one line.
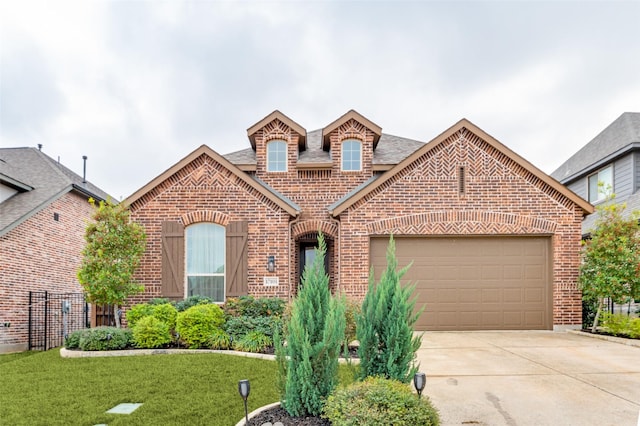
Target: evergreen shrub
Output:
{"points": [[196, 325], [73, 339], [190, 301], [150, 333], [237, 327], [105, 339], [379, 401], [385, 326], [166, 313], [137, 312]]}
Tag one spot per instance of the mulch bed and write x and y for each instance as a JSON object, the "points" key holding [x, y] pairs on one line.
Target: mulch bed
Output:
{"points": [[279, 414]]}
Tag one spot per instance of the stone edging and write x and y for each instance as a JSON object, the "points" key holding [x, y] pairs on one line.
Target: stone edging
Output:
{"points": [[257, 411], [66, 353], [621, 340]]}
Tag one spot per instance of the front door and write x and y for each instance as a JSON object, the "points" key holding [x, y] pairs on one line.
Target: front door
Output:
{"points": [[307, 254]]}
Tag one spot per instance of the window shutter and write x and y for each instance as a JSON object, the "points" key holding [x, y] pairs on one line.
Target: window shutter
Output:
{"points": [[237, 259], [173, 260]]}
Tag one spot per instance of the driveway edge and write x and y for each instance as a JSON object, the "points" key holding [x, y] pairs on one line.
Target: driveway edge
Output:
{"points": [[621, 340]]}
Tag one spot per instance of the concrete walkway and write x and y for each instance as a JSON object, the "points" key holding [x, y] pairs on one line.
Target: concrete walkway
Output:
{"points": [[531, 378]]}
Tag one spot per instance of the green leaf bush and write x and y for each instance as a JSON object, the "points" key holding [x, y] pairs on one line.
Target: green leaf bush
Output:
{"points": [[73, 339], [253, 341], [379, 401], [252, 307], [150, 333], [190, 301], [621, 325], [137, 312], [219, 340], [105, 339], [198, 323], [166, 313], [237, 327]]}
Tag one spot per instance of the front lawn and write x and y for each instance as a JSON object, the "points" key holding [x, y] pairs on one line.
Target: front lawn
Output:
{"points": [[45, 389]]}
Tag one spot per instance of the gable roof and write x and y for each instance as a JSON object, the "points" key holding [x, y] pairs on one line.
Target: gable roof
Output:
{"points": [[359, 193], [351, 115], [39, 181], [287, 205], [277, 115], [617, 139], [391, 150]]}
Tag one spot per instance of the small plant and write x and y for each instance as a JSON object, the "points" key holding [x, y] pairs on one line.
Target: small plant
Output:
{"points": [[379, 401], [190, 301], [621, 325], [151, 333], [352, 310], [219, 340], [253, 342], [73, 340], [197, 324], [105, 339]]}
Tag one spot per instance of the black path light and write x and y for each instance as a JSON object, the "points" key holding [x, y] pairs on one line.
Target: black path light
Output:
{"points": [[420, 381], [244, 388]]}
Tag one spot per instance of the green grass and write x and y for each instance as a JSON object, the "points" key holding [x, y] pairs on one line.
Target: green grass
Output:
{"points": [[41, 388]]}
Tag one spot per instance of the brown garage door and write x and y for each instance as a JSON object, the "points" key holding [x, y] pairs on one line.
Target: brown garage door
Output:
{"points": [[483, 283]]}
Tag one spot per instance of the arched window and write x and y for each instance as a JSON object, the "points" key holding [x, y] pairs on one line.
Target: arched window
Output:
{"points": [[205, 261], [351, 155], [277, 156]]}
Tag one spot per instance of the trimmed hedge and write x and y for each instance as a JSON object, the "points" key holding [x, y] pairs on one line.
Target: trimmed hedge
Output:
{"points": [[105, 339], [378, 401], [197, 324], [151, 333]]}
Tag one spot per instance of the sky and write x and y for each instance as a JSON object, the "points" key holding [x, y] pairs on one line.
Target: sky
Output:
{"points": [[138, 85]]}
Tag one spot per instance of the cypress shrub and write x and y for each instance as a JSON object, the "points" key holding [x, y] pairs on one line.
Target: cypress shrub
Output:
{"points": [[385, 326], [308, 364]]}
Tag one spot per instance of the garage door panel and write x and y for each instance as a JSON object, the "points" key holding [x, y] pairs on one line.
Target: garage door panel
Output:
{"points": [[482, 283]]}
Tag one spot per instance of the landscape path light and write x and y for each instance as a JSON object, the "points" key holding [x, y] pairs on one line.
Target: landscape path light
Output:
{"points": [[244, 388], [419, 381]]}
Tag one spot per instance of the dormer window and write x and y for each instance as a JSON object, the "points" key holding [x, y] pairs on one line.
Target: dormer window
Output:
{"points": [[277, 156], [600, 184], [351, 155]]}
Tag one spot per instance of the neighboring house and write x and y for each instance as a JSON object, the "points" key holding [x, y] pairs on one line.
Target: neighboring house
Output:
{"points": [[494, 241], [613, 158], [43, 216]]}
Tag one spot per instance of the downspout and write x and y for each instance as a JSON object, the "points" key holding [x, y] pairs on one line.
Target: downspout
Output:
{"points": [[339, 259], [289, 243]]}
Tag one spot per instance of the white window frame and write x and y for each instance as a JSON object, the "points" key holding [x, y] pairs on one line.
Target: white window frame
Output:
{"points": [[279, 161], [349, 143], [188, 230], [600, 195]]}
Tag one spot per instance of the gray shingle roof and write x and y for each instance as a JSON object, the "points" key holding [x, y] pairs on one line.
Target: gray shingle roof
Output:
{"points": [[390, 150], [277, 194], [618, 136], [48, 179]]}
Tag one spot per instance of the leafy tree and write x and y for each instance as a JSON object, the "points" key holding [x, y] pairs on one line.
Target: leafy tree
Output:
{"points": [[308, 364], [114, 246], [385, 327], [611, 258]]}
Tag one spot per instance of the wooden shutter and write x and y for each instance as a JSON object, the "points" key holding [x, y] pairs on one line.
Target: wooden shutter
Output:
{"points": [[237, 259], [173, 260]]}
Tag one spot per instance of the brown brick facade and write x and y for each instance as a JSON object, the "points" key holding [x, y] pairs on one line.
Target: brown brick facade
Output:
{"points": [[40, 254], [501, 194]]}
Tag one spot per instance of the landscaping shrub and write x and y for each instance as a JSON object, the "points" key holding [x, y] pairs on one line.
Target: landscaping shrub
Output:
{"points": [[352, 310], [378, 401], [251, 307], [308, 364], [219, 340], [159, 301], [105, 339], [621, 325], [137, 312], [150, 332], [237, 327], [253, 341], [196, 325], [190, 301], [166, 313], [385, 327], [73, 339]]}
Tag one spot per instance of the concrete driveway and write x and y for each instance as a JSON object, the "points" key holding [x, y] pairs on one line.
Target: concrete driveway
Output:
{"points": [[531, 378]]}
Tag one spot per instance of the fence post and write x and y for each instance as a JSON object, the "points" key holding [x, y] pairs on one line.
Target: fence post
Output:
{"points": [[46, 318], [30, 324]]}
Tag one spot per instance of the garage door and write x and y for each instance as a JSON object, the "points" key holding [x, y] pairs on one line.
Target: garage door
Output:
{"points": [[484, 283]]}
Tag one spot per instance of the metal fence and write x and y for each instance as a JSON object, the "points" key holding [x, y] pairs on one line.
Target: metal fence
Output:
{"points": [[52, 316]]}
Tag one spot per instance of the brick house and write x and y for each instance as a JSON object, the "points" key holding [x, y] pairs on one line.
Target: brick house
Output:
{"points": [[494, 241], [43, 215]]}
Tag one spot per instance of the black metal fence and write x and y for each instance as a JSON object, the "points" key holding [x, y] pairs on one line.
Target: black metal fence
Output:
{"points": [[52, 316]]}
